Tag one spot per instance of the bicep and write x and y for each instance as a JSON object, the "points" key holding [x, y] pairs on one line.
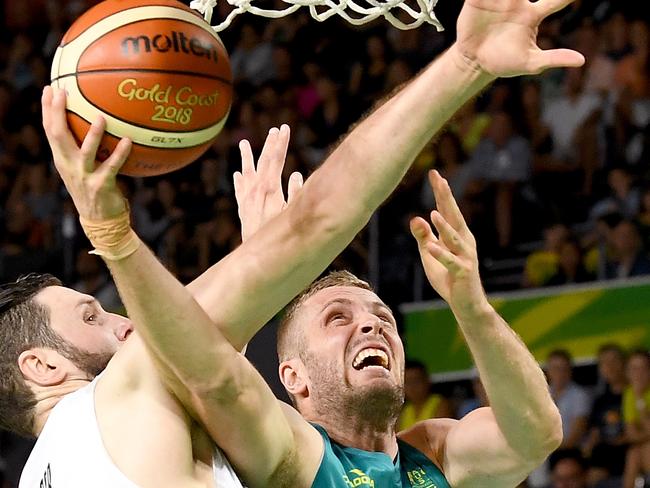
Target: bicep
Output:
{"points": [[476, 454], [250, 425]]}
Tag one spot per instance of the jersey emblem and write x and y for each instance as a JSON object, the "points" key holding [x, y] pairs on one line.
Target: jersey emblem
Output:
{"points": [[358, 478], [419, 479]]}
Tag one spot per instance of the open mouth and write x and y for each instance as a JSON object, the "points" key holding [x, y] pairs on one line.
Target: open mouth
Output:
{"points": [[369, 358]]}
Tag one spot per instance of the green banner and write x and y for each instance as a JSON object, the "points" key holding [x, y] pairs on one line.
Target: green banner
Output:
{"points": [[578, 319]]}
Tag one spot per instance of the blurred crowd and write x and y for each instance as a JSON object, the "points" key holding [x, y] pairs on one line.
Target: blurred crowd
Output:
{"points": [[605, 419], [552, 173]]}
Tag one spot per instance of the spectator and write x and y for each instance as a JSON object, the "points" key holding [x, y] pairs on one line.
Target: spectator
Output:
{"points": [[624, 197], [502, 161], [571, 399], [420, 403], [606, 440], [368, 76], [543, 264], [572, 119], [568, 469], [630, 258], [252, 58], [571, 267], [636, 415]]}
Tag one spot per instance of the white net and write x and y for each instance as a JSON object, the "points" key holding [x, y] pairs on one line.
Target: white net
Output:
{"points": [[356, 12]]}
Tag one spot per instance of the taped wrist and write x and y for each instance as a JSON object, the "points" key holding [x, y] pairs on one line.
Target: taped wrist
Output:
{"points": [[113, 238]]}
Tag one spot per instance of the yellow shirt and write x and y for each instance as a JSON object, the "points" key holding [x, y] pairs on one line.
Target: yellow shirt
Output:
{"points": [[541, 266], [409, 417], [634, 407]]}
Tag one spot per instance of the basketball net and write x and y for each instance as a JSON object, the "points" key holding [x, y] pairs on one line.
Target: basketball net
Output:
{"points": [[321, 10]]}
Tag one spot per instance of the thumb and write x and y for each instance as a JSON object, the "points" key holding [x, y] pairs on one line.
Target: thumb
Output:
{"points": [[555, 58]]}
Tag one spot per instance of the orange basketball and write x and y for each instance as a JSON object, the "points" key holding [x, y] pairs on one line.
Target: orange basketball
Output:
{"points": [[158, 74]]}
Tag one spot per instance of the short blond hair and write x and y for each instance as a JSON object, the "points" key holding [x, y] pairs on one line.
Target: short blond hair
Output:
{"points": [[289, 336]]}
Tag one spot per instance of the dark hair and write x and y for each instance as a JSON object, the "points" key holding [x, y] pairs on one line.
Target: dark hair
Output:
{"points": [[415, 364], [24, 324], [612, 347], [640, 352], [567, 453], [562, 354]]}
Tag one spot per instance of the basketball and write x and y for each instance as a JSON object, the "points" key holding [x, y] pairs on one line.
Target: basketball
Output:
{"points": [[156, 71]]}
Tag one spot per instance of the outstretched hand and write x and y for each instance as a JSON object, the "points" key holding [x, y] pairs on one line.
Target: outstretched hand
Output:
{"points": [[450, 259], [259, 190], [499, 37], [92, 186]]}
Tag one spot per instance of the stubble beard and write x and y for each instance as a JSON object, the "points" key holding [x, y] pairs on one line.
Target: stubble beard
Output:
{"points": [[373, 407], [92, 364]]}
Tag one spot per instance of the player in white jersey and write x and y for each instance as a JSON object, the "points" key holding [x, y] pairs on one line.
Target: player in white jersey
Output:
{"points": [[70, 452], [102, 413]]}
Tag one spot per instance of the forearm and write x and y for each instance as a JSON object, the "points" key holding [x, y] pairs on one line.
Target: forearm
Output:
{"points": [[180, 336], [336, 201], [515, 385], [370, 162]]}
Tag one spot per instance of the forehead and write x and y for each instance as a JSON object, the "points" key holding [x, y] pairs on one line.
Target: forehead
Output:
{"points": [[351, 296], [59, 297]]}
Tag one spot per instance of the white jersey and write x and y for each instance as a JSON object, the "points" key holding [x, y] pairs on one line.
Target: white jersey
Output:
{"points": [[70, 453]]}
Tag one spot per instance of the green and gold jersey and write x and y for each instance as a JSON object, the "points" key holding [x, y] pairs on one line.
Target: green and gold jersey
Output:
{"points": [[348, 467]]}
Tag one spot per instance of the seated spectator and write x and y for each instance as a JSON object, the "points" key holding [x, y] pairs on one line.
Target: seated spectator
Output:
{"points": [[573, 122], [571, 267], [573, 403], [606, 441], [502, 162], [543, 264], [624, 197], [568, 469], [420, 403], [571, 399], [629, 257], [636, 415]]}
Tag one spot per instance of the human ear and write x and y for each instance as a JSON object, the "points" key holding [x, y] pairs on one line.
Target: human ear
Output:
{"points": [[293, 378], [42, 366]]}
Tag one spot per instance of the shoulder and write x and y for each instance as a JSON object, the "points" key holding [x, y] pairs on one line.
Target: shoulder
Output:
{"points": [[429, 437]]}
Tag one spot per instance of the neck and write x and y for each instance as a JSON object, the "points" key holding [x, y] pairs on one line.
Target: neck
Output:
{"points": [[358, 433], [47, 397]]}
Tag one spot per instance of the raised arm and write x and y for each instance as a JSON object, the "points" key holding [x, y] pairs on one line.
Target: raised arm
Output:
{"points": [[500, 445], [495, 38], [192, 357]]}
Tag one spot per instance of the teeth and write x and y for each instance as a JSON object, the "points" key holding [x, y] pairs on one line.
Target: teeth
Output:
{"points": [[366, 353]]}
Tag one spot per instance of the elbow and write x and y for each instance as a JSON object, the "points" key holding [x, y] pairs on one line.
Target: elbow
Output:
{"points": [[549, 434], [555, 434], [321, 212]]}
